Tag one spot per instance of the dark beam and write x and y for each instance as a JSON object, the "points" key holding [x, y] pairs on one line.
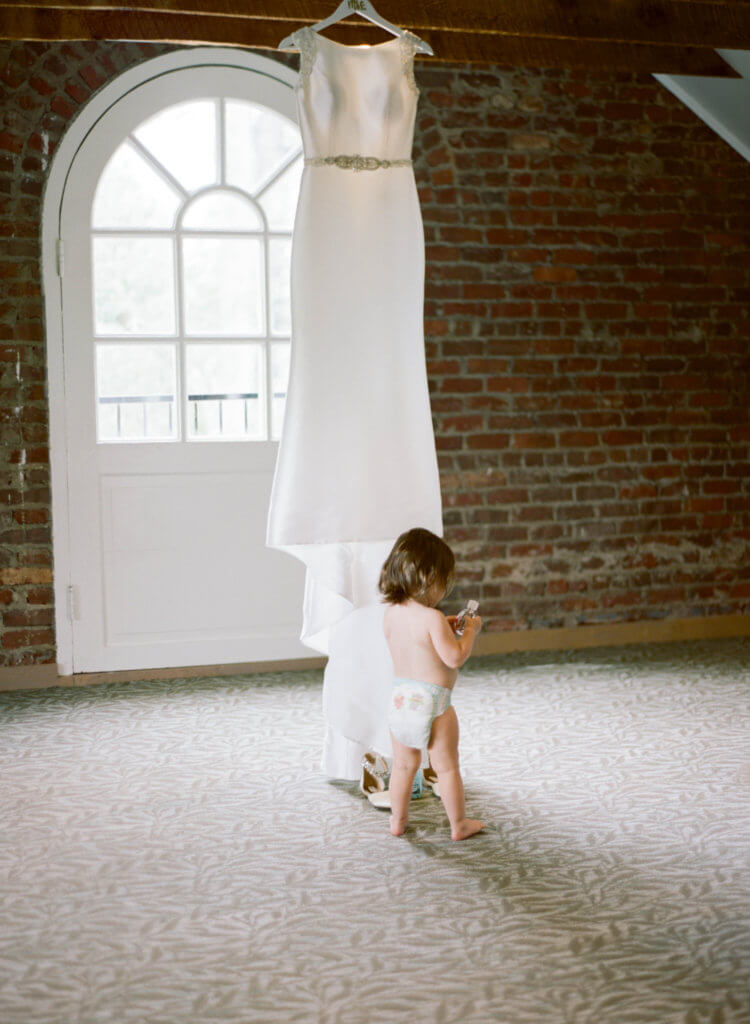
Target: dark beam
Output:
{"points": [[713, 24], [34, 23]]}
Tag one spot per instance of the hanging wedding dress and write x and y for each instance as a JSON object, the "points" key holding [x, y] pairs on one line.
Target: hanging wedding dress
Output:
{"points": [[356, 463]]}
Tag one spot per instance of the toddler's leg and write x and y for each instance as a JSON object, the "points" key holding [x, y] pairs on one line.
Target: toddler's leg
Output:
{"points": [[443, 751], [406, 761]]}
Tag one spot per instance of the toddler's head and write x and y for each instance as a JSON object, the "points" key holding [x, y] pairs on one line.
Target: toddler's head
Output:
{"points": [[420, 566]]}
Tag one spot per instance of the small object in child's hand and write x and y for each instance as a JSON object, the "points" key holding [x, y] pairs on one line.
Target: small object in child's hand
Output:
{"points": [[468, 612]]}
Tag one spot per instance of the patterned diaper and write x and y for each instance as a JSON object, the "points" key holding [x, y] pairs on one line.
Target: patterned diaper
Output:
{"points": [[414, 707]]}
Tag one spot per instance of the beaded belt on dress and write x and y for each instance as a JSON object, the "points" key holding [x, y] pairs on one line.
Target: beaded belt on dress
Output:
{"points": [[356, 162]]}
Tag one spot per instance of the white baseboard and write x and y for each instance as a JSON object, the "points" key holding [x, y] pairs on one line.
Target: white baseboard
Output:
{"points": [[36, 677], [651, 631]]}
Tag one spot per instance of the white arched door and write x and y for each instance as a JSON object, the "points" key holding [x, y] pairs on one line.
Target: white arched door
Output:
{"points": [[176, 223]]}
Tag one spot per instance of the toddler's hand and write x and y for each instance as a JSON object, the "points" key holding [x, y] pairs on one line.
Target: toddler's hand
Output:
{"points": [[476, 621], [451, 620]]}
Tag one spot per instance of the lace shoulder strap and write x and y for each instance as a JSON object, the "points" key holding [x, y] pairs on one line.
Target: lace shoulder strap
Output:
{"points": [[409, 45], [304, 40]]}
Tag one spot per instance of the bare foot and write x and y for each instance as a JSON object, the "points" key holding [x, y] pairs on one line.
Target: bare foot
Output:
{"points": [[467, 827], [398, 826]]}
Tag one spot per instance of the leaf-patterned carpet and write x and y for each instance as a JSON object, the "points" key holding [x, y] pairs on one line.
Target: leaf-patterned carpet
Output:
{"points": [[170, 852]]}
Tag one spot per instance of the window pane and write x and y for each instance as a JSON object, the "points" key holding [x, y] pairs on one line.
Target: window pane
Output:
{"points": [[280, 254], [183, 139], [133, 285], [223, 281], [280, 352], [131, 194], [280, 201], [258, 141], [225, 385], [135, 392], [223, 211]]}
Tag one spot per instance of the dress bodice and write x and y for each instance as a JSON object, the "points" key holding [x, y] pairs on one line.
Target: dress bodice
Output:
{"points": [[356, 99]]}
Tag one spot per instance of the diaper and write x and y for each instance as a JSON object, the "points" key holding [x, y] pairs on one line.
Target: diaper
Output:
{"points": [[414, 707]]}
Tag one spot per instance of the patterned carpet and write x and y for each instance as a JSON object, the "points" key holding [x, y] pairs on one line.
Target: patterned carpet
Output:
{"points": [[170, 853]]}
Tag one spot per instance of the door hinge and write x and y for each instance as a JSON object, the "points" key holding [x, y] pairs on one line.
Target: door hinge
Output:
{"points": [[74, 611], [60, 257]]}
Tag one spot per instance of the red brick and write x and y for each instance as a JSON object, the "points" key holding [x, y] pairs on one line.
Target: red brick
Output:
{"points": [[16, 638], [577, 256], [531, 440], [459, 385], [21, 617], [41, 85], [488, 441], [31, 515], [10, 142], [555, 274], [517, 385], [578, 439], [92, 78], [62, 107]]}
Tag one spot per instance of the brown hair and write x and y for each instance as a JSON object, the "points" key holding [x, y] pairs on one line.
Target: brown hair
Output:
{"points": [[417, 561]]}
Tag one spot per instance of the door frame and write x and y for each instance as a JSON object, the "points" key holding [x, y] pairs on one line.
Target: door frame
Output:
{"points": [[52, 200]]}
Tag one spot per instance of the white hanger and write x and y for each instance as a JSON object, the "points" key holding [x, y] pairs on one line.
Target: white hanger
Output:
{"points": [[363, 7]]}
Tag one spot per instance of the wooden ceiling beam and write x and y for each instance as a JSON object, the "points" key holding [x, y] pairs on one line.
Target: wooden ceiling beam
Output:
{"points": [[463, 47], [713, 24], [36, 23]]}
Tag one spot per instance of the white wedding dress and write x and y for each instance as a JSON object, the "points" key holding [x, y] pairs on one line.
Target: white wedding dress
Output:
{"points": [[356, 463]]}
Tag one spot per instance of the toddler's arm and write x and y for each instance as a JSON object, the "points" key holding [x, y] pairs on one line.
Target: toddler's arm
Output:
{"points": [[453, 650]]}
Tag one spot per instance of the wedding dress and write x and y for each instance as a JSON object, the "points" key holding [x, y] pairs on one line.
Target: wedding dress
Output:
{"points": [[356, 464]]}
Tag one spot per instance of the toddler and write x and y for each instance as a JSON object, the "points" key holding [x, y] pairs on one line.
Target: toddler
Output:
{"points": [[426, 654]]}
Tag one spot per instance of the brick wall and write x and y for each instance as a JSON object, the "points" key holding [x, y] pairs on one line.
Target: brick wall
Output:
{"points": [[589, 346], [587, 334]]}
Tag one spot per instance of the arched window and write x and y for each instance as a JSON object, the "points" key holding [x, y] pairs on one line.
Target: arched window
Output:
{"points": [[191, 228]]}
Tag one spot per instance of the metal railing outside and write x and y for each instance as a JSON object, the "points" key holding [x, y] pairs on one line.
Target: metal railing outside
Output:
{"points": [[146, 400]]}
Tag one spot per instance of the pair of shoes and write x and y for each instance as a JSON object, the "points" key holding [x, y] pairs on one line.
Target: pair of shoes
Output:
{"points": [[372, 783], [431, 779]]}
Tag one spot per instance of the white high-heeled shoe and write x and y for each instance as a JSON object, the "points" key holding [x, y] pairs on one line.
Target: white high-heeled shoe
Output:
{"points": [[381, 800], [372, 780]]}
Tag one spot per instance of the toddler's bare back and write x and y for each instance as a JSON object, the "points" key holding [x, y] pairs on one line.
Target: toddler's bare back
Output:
{"points": [[409, 630]]}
